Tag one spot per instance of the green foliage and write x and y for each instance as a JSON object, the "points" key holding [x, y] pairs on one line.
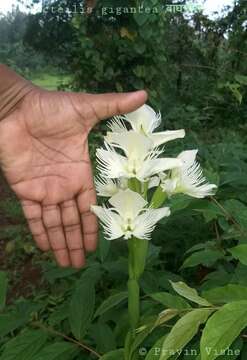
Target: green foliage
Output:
{"points": [[82, 308], [222, 329], [25, 346], [183, 331], [3, 289], [194, 288]]}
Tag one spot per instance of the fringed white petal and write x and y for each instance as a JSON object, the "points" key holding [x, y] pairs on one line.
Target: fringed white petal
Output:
{"points": [[194, 183], [105, 187], [110, 164], [190, 179], [117, 124], [111, 222], [145, 223]]}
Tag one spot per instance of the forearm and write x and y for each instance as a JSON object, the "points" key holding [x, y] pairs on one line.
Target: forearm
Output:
{"points": [[13, 89]]}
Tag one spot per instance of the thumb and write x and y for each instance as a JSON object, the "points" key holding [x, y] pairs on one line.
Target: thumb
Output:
{"points": [[103, 106]]}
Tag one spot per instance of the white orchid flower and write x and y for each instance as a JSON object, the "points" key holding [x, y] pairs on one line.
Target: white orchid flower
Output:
{"points": [[144, 121], [140, 161], [108, 187], [188, 178], [129, 216]]}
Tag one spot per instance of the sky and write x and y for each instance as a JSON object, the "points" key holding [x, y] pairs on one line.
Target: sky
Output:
{"points": [[210, 6]]}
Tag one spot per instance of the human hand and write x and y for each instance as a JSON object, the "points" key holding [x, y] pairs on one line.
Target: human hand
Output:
{"points": [[44, 156]]}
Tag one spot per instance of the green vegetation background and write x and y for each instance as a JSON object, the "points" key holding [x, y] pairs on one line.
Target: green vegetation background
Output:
{"points": [[195, 71]]}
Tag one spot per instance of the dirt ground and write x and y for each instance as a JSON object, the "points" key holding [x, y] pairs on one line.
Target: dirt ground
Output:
{"points": [[23, 274]]}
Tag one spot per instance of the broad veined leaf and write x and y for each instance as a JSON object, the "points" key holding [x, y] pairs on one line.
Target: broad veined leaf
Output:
{"points": [[206, 257], [155, 351], [3, 288], [222, 329], [112, 301], [238, 210], [226, 294], [200, 246], [10, 322], [239, 252], [233, 352], [165, 316], [114, 355], [169, 300], [24, 346], [189, 293], [82, 308], [183, 331], [61, 313], [60, 350], [103, 336], [209, 210]]}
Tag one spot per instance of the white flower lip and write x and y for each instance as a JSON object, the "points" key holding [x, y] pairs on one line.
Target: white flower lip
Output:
{"points": [[129, 216]]}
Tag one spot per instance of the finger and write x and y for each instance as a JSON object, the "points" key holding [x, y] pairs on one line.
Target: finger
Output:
{"points": [[33, 213], [102, 106], [73, 232], [53, 222], [89, 220]]}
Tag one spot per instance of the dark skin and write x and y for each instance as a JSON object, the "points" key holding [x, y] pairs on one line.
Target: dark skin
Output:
{"points": [[44, 156]]}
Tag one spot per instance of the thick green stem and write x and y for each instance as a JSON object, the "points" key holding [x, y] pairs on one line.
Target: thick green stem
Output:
{"points": [[133, 303], [137, 257]]}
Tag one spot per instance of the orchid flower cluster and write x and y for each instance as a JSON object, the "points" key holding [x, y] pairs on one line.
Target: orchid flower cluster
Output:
{"points": [[133, 152]]}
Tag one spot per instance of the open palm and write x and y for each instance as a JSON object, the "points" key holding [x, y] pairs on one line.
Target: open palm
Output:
{"points": [[44, 155]]}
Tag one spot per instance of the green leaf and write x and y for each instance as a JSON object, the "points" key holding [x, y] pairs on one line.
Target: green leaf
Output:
{"points": [[111, 302], [183, 331], [233, 351], [103, 247], [184, 290], [82, 308], [61, 313], [58, 351], [141, 18], [165, 316], [208, 209], [138, 340], [238, 210], [155, 351], [10, 322], [103, 337], [24, 346], [206, 257], [242, 79], [239, 252], [180, 202], [223, 328], [170, 301], [53, 274], [3, 289], [114, 355], [226, 294]]}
